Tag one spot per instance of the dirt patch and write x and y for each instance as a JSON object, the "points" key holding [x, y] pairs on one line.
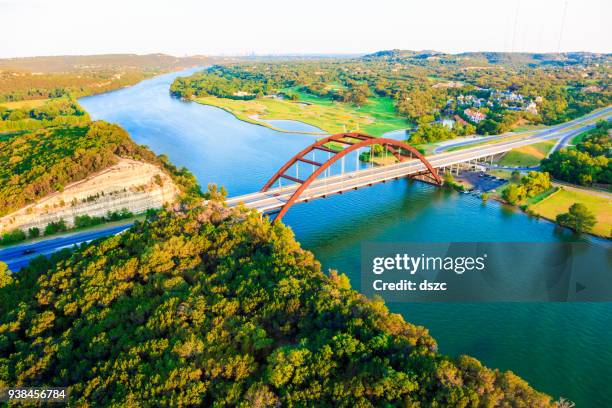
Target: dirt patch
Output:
{"points": [[532, 151]]}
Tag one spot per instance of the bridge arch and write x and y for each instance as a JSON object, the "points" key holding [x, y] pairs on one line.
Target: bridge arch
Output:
{"points": [[350, 142]]}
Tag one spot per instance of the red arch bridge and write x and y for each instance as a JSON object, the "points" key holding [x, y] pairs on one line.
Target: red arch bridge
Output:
{"points": [[332, 165]]}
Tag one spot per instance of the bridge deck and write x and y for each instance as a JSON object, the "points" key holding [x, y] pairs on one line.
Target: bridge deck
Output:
{"points": [[275, 198]]}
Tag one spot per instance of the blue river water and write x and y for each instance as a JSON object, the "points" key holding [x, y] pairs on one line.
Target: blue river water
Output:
{"points": [[564, 349]]}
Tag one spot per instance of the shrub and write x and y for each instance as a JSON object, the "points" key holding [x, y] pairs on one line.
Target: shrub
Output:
{"points": [[13, 236], [55, 227], [33, 232]]}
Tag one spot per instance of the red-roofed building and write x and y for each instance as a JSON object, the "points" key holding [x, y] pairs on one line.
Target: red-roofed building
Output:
{"points": [[460, 120], [474, 116]]}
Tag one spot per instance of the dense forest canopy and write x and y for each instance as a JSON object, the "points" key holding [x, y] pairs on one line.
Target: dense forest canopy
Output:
{"points": [[494, 58], [206, 306], [507, 89]]}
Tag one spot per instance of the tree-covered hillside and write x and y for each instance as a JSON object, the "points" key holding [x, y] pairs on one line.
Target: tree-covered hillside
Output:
{"points": [[53, 112], [78, 75], [205, 306], [35, 164]]}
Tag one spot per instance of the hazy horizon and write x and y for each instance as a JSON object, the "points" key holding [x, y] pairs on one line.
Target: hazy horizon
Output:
{"points": [[274, 27], [314, 54]]}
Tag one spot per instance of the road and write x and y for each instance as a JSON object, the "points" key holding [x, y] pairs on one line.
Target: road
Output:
{"points": [[535, 133], [562, 141], [18, 256], [276, 198]]}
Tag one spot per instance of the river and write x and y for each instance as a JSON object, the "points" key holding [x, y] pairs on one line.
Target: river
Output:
{"points": [[560, 348]]}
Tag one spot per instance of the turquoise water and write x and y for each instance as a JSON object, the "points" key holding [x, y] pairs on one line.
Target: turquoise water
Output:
{"points": [[562, 349]]}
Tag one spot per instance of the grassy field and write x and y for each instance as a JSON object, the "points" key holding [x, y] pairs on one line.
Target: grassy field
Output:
{"points": [[560, 201], [527, 156], [526, 128], [24, 104], [375, 118]]}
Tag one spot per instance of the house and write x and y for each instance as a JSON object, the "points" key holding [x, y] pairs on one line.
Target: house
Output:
{"points": [[242, 94], [447, 122], [591, 88], [474, 116], [460, 120], [531, 108]]}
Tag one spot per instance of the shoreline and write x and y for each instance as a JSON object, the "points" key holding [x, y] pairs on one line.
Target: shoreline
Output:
{"points": [[539, 217], [259, 123]]}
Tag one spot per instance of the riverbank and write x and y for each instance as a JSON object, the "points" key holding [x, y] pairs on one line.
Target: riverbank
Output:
{"points": [[331, 117], [559, 198], [252, 118], [599, 203]]}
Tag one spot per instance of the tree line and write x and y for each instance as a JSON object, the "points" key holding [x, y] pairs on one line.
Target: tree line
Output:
{"points": [[55, 112], [588, 163]]}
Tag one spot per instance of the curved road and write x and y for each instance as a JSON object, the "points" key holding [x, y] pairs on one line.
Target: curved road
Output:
{"points": [[536, 133], [18, 256]]}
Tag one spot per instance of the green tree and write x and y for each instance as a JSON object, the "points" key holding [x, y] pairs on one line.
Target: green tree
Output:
{"points": [[513, 194], [55, 227], [33, 232], [5, 276], [13, 236], [579, 218], [530, 185]]}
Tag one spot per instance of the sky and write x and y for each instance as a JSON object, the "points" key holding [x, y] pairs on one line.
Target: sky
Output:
{"points": [[237, 27]]}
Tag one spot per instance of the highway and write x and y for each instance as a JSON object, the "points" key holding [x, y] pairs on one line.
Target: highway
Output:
{"points": [[19, 255], [276, 198], [602, 113]]}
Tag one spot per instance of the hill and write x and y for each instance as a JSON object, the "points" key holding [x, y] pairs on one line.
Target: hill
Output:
{"points": [[75, 63], [208, 306], [49, 77], [495, 58], [92, 169]]}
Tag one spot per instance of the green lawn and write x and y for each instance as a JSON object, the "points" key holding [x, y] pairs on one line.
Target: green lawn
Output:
{"points": [[527, 128], [376, 117], [560, 201], [527, 156], [380, 110]]}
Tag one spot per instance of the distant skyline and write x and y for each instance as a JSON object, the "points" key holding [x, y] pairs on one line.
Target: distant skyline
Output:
{"points": [[191, 27]]}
